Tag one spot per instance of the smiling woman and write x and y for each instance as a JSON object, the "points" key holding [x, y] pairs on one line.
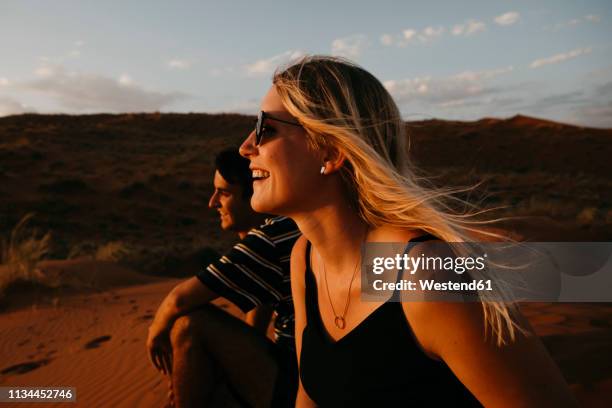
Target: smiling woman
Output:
{"points": [[344, 177]]}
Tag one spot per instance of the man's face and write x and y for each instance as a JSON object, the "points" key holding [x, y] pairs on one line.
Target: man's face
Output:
{"points": [[234, 210]]}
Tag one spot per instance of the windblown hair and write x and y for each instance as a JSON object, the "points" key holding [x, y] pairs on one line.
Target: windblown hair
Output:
{"points": [[341, 105]]}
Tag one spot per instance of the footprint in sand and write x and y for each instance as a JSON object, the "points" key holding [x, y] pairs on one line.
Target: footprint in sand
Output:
{"points": [[25, 367], [23, 342], [95, 343], [144, 317]]}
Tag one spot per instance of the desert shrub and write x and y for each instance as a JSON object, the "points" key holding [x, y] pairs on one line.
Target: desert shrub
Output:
{"points": [[21, 252], [111, 251]]}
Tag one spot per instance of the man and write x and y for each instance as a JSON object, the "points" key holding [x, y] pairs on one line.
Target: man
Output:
{"points": [[233, 188], [202, 348]]}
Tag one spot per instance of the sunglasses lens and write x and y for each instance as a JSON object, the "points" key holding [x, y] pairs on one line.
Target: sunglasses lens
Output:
{"points": [[258, 127]]}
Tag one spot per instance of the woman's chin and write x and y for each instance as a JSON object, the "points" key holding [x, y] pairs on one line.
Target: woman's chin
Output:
{"points": [[266, 206], [260, 206]]}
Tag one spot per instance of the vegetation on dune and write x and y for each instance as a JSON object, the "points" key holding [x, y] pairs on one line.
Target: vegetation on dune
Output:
{"points": [[21, 252], [134, 188]]}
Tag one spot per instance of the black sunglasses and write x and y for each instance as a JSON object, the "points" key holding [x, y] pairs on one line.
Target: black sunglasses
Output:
{"points": [[259, 125]]}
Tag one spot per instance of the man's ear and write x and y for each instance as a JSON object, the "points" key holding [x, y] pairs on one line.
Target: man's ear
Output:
{"points": [[333, 160]]}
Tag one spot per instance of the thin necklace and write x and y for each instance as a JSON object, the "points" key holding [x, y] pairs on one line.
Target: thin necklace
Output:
{"points": [[339, 320]]}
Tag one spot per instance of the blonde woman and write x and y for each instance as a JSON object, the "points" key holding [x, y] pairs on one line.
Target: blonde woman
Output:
{"points": [[329, 151]]}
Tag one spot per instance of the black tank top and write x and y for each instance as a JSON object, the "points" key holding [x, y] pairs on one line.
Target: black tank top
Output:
{"points": [[377, 364]]}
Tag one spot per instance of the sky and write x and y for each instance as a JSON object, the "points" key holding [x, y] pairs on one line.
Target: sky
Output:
{"points": [[455, 60]]}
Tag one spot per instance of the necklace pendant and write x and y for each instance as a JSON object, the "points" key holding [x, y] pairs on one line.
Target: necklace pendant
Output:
{"points": [[339, 322]]}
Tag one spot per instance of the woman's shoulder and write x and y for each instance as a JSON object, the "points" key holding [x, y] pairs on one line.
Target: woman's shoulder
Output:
{"points": [[298, 260], [299, 247]]}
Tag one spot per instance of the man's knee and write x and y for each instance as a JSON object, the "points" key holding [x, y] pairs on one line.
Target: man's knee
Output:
{"points": [[183, 332], [192, 328]]}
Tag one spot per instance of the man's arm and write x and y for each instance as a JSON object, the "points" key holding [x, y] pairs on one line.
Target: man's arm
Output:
{"points": [[183, 298], [259, 318]]}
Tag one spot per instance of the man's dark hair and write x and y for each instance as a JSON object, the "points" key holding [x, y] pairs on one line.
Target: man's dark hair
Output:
{"points": [[235, 170]]}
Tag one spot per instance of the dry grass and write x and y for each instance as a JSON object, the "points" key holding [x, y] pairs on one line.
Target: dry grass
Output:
{"points": [[114, 251], [20, 254]]}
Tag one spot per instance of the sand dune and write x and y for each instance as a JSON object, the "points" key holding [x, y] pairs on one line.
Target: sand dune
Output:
{"points": [[95, 342]]}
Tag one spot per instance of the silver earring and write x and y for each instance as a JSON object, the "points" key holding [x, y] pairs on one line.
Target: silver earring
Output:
{"points": [[322, 170]]}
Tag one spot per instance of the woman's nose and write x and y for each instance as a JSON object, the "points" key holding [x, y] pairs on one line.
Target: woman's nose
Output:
{"points": [[248, 148]]}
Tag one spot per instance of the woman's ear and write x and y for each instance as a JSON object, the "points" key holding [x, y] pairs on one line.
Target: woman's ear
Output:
{"points": [[333, 160]]}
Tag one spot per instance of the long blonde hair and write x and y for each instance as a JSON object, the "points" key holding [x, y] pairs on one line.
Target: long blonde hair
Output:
{"points": [[342, 105]]}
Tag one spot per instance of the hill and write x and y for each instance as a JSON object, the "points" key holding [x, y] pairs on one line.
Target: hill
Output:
{"points": [[145, 179]]}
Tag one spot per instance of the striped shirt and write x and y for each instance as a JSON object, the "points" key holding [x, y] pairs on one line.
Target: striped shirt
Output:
{"points": [[256, 272]]}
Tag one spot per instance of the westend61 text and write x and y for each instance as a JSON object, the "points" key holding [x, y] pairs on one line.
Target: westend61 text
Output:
{"points": [[430, 284]]}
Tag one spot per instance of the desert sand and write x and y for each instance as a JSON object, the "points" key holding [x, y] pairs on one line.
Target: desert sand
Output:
{"points": [[95, 342]]}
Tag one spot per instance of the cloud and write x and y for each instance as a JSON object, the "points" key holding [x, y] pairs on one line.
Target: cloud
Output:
{"points": [[554, 101], [350, 47], [409, 34], [507, 19], [595, 114], [605, 89], [591, 18], [76, 51], [45, 71], [267, 66], [413, 36], [470, 27], [96, 93], [4, 81], [9, 106], [386, 39], [125, 79], [482, 75], [444, 92], [179, 64], [430, 33], [596, 106], [246, 107], [560, 57]]}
